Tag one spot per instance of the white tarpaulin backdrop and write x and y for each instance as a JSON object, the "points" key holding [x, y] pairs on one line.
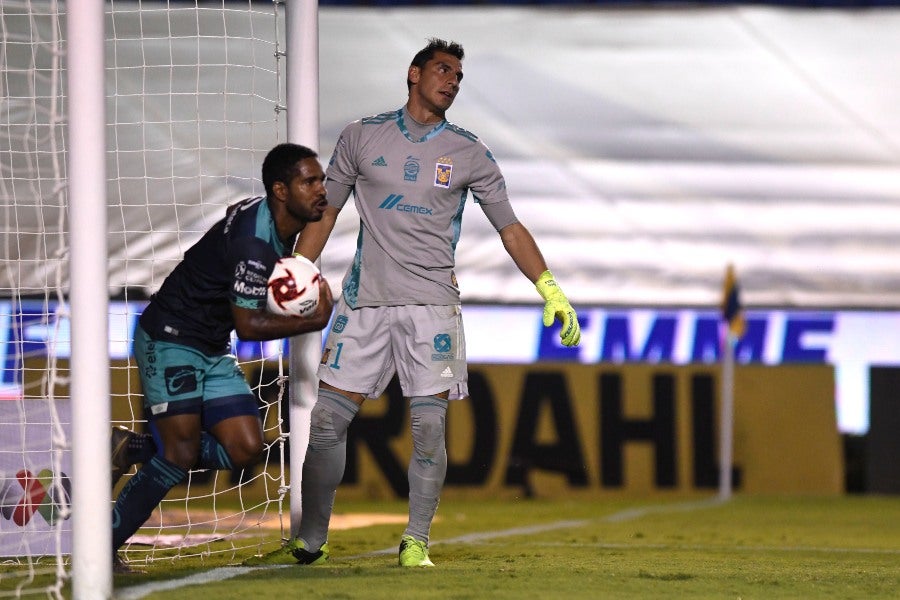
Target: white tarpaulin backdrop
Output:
{"points": [[644, 148]]}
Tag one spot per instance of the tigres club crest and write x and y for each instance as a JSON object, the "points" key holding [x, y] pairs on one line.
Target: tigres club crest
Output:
{"points": [[442, 171]]}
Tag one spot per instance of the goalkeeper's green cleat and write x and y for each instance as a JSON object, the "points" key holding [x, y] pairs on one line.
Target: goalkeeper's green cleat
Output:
{"points": [[414, 553], [303, 556], [280, 556], [291, 553]]}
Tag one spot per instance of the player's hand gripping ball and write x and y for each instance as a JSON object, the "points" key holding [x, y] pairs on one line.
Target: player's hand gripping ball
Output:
{"points": [[293, 288]]}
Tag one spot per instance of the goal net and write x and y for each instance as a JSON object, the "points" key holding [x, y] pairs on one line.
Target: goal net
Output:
{"points": [[194, 101]]}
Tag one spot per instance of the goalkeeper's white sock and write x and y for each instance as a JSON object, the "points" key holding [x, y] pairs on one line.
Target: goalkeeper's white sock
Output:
{"points": [[428, 465], [323, 468]]}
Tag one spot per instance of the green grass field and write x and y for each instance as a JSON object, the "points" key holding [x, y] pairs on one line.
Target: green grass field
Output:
{"points": [[846, 547], [749, 547]]}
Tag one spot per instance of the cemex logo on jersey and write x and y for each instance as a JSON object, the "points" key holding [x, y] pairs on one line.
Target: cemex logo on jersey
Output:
{"points": [[392, 202]]}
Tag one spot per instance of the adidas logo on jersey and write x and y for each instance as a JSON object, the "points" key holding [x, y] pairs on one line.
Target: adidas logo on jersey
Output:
{"points": [[447, 373], [379, 162]]}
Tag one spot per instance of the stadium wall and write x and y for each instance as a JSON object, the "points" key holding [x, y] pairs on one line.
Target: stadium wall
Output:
{"points": [[882, 444], [554, 429], [551, 430]]}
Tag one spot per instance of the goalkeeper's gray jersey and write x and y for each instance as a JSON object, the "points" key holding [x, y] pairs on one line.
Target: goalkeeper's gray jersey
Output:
{"points": [[410, 197]]}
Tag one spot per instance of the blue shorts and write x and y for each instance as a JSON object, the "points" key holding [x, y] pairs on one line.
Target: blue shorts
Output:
{"points": [[178, 379]]}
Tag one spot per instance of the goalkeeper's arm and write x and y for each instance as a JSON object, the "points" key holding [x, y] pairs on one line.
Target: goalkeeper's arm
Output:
{"points": [[524, 251]]}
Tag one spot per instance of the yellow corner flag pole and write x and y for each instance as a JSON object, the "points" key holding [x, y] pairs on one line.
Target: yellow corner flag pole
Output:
{"points": [[734, 320]]}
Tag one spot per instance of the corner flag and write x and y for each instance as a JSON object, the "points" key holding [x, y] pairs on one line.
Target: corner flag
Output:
{"points": [[733, 315], [732, 312]]}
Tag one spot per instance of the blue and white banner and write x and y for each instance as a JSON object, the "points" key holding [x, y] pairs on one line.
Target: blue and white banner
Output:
{"points": [[851, 341]]}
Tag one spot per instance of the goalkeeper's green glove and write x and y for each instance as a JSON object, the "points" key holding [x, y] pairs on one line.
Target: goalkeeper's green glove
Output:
{"points": [[557, 305]]}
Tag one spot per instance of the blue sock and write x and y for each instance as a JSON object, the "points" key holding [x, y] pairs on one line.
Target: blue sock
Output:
{"points": [[141, 448], [212, 454], [141, 495]]}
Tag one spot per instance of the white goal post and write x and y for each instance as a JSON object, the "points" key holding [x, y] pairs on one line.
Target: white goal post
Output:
{"points": [[187, 99], [88, 300], [302, 28]]}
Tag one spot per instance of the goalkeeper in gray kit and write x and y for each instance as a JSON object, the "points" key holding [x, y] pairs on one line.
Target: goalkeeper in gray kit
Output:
{"points": [[410, 171]]}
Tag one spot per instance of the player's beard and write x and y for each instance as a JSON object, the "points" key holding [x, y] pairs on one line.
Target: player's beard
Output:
{"points": [[309, 214]]}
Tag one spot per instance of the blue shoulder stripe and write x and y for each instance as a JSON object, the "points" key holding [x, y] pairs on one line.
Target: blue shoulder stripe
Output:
{"points": [[384, 117], [460, 131], [265, 228]]}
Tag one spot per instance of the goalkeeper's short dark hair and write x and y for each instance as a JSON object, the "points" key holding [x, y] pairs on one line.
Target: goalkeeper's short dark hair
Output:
{"points": [[280, 164], [427, 53]]}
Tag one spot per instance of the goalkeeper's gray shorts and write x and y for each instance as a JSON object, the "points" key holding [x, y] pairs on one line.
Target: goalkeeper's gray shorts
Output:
{"points": [[424, 345]]}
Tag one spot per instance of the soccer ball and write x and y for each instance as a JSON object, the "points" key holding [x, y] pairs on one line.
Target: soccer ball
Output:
{"points": [[293, 288]]}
